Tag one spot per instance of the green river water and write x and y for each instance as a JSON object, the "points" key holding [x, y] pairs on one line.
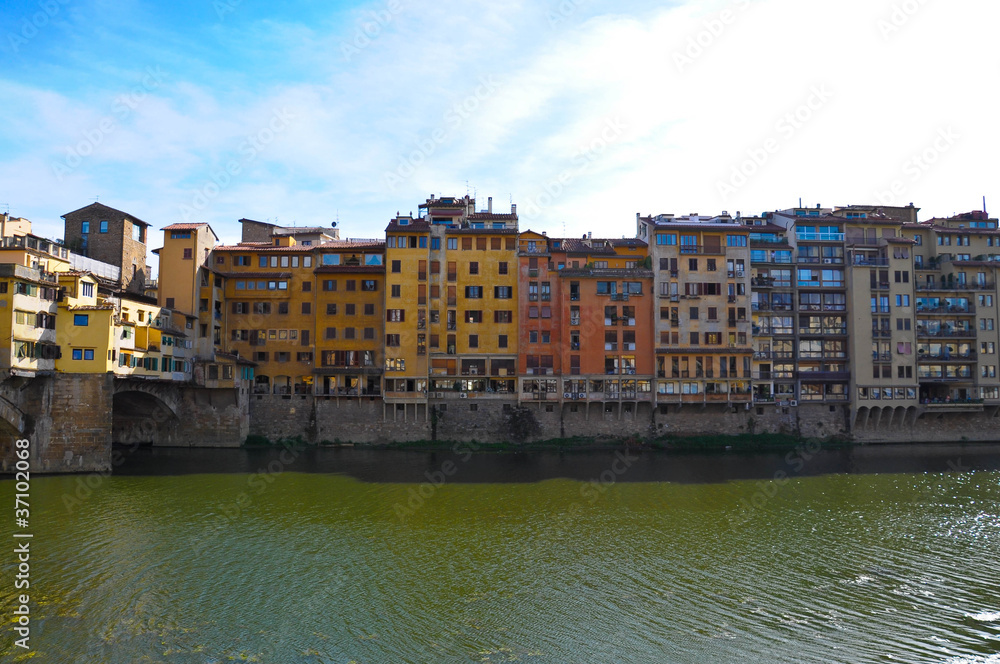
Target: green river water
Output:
{"points": [[338, 556]]}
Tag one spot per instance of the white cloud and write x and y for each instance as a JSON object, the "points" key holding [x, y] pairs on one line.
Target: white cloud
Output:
{"points": [[685, 127]]}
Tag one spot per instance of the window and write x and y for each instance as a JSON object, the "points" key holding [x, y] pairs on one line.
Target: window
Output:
{"points": [[453, 243], [435, 243], [502, 267], [350, 309], [306, 308], [81, 320], [397, 266], [351, 285], [473, 341], [473, 267], [502, 341], [474, 292], [104, 226], [86, 289], [187, 253], [395, 315], [503, 292], [369, 285]]}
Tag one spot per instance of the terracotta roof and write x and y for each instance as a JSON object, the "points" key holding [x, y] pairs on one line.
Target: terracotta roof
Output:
{"points": [[261, 247], [235, 357], [413, 225], [496, 216], [292, 230], [629, 242], [574, 246], [183, 227], [352, 244]]}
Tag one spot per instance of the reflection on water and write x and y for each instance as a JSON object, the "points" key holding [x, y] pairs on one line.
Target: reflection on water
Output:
{"points": [[861, 555]]}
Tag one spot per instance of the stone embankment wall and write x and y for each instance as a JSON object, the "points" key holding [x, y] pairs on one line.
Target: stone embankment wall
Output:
{"points": [[316, 420], [67, 418]]}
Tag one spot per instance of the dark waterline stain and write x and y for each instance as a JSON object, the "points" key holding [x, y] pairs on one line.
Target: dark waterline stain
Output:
{"points": [[463, 465]]}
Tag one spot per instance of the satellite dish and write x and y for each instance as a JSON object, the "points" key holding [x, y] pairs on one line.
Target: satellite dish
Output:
{"points": [[333, 224]]}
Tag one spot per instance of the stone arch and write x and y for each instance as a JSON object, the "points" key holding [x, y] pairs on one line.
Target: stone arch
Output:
{"points": [[145, 413]]}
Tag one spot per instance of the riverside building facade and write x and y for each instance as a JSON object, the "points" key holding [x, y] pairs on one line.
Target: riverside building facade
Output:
{"points": [[862, 317]]}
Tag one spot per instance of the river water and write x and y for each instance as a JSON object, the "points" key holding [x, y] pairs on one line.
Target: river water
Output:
{"points": [[871, 554]]}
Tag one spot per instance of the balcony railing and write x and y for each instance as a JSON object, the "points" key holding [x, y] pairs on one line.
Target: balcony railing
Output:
{"points": [[872, 262], [950, 286], [808, 236], [924, 332], [947, 309]]}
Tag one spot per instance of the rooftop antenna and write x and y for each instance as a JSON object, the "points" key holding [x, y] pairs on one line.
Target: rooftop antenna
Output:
{"points": [[97, 199], [800, 201], [984, 205]]}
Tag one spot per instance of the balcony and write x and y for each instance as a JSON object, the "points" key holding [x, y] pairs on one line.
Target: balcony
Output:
{"points": [[923, 332], [824, 375], [968, 309], [881, 357], [619, 297], [947, 357], [949, 286], [807, 236], [865, 261]]}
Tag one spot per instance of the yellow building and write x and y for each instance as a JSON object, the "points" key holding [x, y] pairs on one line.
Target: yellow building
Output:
{"points": [[184, 286], [349, 305], [28, 320], [452, 331], [85, 326]]}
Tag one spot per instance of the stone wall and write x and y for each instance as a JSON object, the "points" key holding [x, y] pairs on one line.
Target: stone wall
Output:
{"points": [[331, 419], [67, 420]]}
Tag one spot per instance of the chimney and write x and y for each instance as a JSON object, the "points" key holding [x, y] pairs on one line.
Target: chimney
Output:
{"points": [[513, 208], [590, 235], [489, 205]]}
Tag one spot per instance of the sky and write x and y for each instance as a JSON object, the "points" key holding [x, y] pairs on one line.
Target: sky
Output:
{"points": [[580, 112]]}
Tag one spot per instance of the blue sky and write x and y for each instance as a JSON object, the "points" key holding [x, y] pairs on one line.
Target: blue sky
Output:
{"points": [[581, 112]]}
